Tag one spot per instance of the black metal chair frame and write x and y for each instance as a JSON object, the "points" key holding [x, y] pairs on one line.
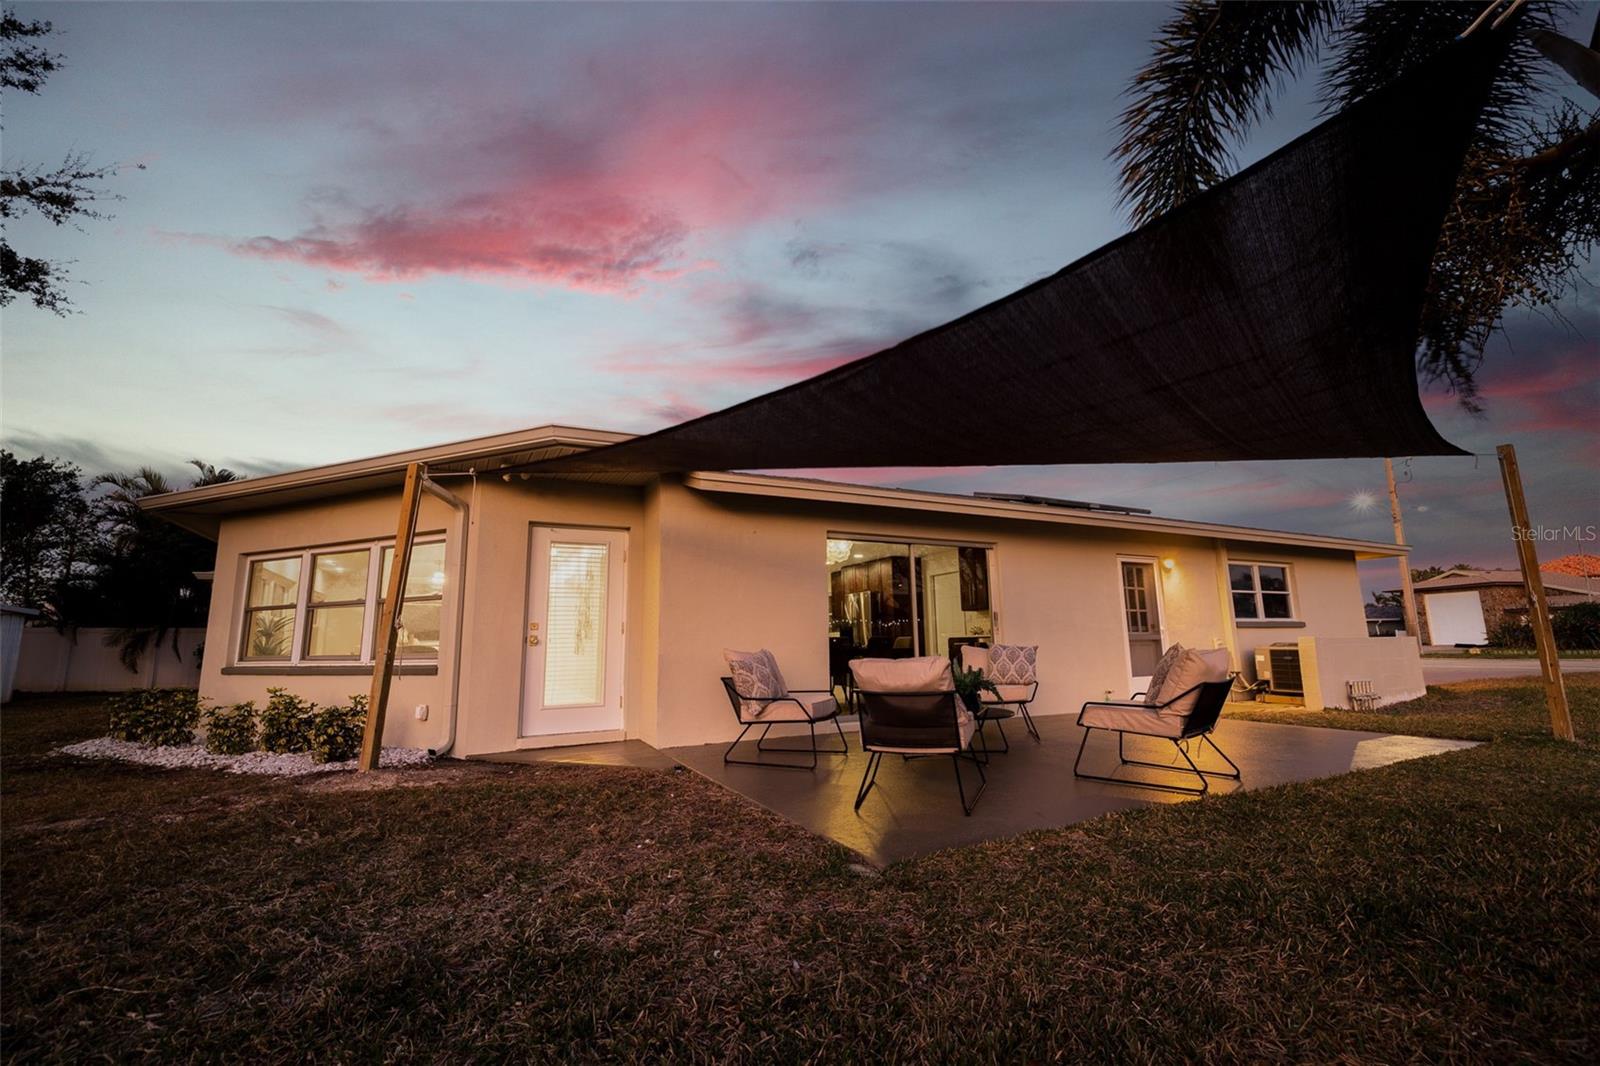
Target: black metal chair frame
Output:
{"points": [[1022, 708], [1212, 696], [738, 701], [875, 755]]}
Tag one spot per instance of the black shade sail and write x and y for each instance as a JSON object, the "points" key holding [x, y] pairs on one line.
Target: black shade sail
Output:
{"points": [[1273, 317]]}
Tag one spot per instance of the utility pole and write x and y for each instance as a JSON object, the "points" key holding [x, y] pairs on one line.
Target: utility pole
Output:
{"points": [[1408, 595]]}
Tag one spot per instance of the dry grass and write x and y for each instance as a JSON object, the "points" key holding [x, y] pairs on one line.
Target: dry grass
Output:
{"points": [[1443, 908], [1467, 710]]}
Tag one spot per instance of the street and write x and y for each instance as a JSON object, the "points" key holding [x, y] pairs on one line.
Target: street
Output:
{"points": [[1468, 667]]}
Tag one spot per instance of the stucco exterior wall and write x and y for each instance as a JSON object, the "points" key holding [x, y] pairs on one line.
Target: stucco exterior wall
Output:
{"points": [[708, 571], [223, 679], [1325, 592], [1393, 665], [746, 572], [503, 516]]}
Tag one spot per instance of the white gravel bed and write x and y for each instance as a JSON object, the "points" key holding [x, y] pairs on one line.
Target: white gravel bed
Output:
{"points": [[196, 757]]}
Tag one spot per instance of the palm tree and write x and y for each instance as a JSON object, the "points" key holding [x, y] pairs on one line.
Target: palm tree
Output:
{"points": [[146, 574], [1527, 208]]}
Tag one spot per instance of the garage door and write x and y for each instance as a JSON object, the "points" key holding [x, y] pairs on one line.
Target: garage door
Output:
{"points": [[1455, 618]]}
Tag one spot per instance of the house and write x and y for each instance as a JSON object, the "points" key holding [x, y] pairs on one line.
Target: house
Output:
{"points": [[1466, 606], [547, 610]]}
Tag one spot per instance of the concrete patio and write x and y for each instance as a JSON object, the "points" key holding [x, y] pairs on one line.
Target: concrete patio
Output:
{"points": [[913, 809]]}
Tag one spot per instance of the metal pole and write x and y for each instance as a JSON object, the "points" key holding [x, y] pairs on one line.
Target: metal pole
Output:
{"points": [[1544, 640], [1408, 594]]}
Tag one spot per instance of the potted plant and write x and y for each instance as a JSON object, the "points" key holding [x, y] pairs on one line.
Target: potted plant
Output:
{"points": [[970, 685]]}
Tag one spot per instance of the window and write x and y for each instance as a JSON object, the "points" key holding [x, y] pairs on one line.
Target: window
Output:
{"points": [[338, 604], [272, 593], [1260, 591], [420, 602], [331, 617]]}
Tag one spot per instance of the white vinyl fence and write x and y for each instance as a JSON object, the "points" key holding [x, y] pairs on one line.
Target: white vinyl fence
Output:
{"points": [[81, 661]]}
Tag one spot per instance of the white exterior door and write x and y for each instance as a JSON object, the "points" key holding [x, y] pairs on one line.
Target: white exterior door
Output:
{"points": [[1141, 617], [572, 670], [1456, 618]]}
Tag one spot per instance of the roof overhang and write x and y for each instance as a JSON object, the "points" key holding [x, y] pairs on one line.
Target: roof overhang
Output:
{"points": [[948, 503], [201, 509]]}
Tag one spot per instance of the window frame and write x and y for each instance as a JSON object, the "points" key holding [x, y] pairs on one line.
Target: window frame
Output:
{"points": [[245, 627], [1261, 618], [364, 652], [378, 598], [300, 634]]}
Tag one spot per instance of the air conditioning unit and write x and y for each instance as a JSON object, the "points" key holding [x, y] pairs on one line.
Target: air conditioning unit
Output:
{"points": [[1280, 667]]}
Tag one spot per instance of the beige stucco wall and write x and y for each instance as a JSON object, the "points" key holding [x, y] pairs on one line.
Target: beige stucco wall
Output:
{"points": [[745, 572], [707, 571], [1392, 664], [503, 516], [343, 521], [1325, 590]]}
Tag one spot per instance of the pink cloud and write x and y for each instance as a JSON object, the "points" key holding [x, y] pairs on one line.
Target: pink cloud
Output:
{"points": [[598, 187]]}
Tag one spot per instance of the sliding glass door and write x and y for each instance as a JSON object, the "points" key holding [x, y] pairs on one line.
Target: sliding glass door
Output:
{"points": [[891, 599]]}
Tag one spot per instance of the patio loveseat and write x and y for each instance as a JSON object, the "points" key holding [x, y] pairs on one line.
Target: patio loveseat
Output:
{"points": [[1185, 699]]}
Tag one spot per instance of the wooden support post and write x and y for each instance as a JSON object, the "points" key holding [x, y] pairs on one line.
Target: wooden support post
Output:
{"points": [[389, 617], [1408, 594], [1544, 640]]}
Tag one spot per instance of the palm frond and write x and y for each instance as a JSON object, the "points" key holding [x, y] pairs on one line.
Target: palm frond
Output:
{"points": [[1209, 81], [1387, 39]]}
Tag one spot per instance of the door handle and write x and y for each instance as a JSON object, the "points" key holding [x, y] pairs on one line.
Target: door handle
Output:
{"points": [[533, 641]]}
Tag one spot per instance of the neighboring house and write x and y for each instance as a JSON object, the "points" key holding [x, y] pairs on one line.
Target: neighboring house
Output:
{"points": [[566, 609], [1385, 620], [1582, 564], [1465, 606]]}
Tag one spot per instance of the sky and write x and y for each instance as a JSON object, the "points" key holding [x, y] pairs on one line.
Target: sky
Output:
{"points": [[360, 228]]}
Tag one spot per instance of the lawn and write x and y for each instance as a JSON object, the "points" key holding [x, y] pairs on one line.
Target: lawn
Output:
{"points": [[1447, 908]]}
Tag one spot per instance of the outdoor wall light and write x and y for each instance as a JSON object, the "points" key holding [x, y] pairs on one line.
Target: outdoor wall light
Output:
{"points": [[1169, 564]]}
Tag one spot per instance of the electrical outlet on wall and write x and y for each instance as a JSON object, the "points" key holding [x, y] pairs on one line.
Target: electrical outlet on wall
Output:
{"points": [[422, 712]]}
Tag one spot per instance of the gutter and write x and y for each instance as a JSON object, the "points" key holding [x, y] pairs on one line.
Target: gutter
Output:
{"points": [[463, 530]]}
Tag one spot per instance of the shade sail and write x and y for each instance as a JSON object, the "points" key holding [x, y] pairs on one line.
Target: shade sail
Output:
{"points": [[1273, 317]]}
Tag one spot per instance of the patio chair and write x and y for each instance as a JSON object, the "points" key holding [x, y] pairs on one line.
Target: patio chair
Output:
{"points": [[760, 697], [1014, 670], [909, 707], [1186, 698]]}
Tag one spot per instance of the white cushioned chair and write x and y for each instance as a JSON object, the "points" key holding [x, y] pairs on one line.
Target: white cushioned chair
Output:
{"points": [[909, 707], [1013, 668], [1188, 692], [760, 697]]}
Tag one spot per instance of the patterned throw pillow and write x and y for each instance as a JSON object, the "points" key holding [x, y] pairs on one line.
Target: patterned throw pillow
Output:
{"points": [[1158, 677], [756, 677], [1013, 664]]}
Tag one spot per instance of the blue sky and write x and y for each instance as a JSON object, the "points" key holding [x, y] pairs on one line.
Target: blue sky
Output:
{"points": [[365, 227]]}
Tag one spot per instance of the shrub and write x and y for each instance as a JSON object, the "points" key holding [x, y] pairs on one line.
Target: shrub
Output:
{"points": [[165, 717], [1576, 628], [286, 722], [231, 730], [336, 731]]}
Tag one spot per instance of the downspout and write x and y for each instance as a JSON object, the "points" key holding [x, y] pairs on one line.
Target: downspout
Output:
{"points": [[463, 528]]}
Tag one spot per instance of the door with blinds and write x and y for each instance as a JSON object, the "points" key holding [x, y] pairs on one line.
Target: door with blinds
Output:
{"points": [[572, 670]]}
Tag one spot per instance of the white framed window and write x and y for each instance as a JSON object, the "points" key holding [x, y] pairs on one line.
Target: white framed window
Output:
{"points": [[321, 605], [1260, 592]]}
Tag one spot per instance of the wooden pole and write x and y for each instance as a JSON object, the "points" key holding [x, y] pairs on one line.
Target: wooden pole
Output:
{"points": [[1544, 640], [389, 617], [1408, 594]]}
